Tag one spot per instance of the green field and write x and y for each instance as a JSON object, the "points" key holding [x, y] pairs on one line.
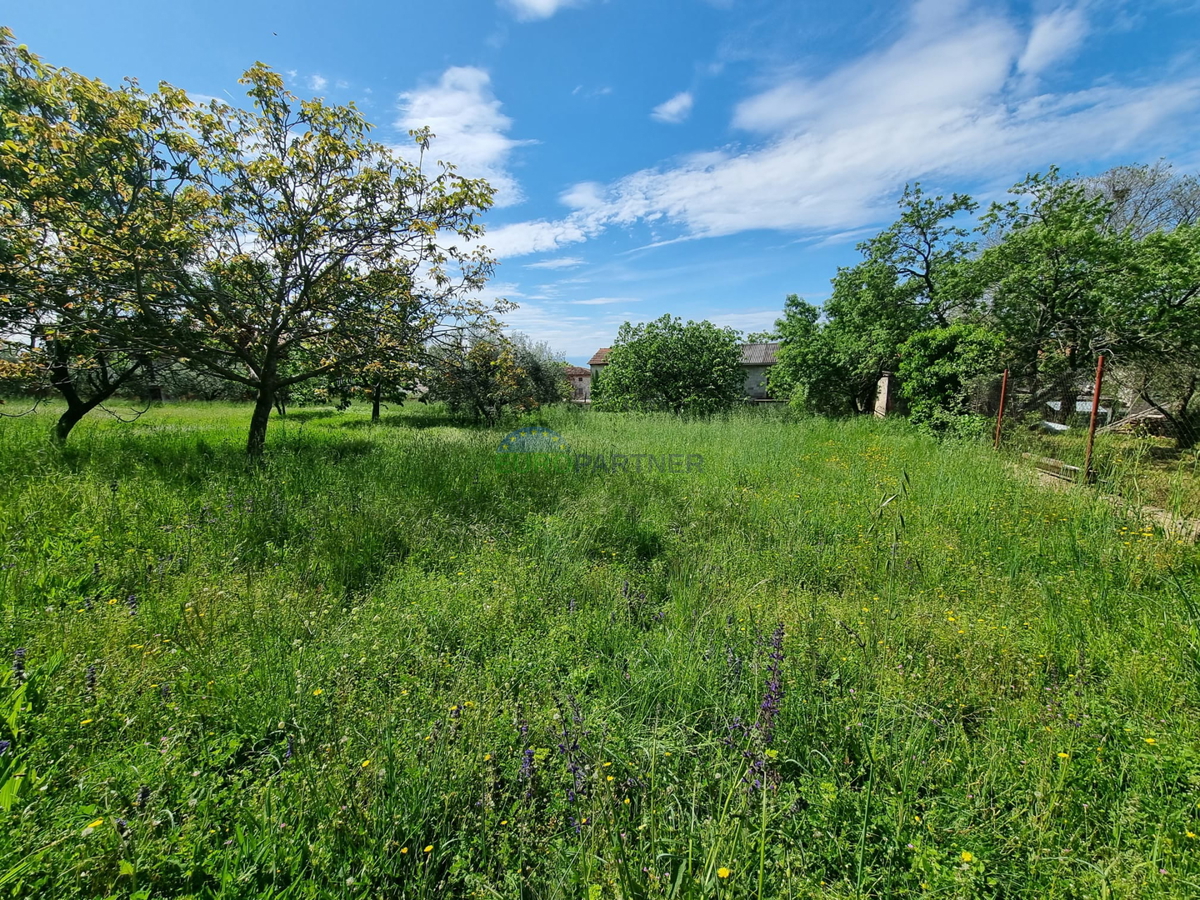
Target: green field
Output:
{"points": [[377, 666]]}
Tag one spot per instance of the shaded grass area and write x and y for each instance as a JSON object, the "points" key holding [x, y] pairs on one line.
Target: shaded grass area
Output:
{"points": [[376, 666]]}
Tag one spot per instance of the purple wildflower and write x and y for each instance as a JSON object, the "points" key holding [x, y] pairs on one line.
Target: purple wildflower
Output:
{"points": [[132, 602], [90, 679], [19, 664]]}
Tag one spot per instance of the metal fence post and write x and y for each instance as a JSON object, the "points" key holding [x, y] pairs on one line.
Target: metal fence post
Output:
{"points": [[1091, 438], [1000, 414]]}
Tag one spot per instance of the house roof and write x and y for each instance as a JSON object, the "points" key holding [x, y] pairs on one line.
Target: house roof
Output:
{"points": [[577, 371], [600, 357], [759, 354]]}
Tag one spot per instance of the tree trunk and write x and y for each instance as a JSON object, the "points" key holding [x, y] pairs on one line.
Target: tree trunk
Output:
{"points": [[68, 420], [258, 421], [376, 396]]}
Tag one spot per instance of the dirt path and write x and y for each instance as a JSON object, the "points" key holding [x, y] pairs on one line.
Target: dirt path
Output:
{"points": [[1178, 527]]}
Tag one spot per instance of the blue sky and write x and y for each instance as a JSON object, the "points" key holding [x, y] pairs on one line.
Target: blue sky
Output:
{"points": [[698, 157]]}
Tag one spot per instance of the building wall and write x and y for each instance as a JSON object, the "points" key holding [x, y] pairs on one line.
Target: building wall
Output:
{"points": [[755, 385], [581, 387]]}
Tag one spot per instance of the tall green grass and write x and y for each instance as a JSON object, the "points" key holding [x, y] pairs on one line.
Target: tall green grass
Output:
{"points": [[376, 666]]}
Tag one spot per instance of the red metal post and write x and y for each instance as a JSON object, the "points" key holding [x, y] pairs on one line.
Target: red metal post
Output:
{"points": [[1087, 457], [1000, 414]]}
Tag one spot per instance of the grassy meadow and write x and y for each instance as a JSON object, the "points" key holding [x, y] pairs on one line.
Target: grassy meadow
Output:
{"points": [[841, 661]]}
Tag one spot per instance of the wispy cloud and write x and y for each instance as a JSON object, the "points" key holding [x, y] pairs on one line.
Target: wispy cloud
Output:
{"points": [[1053, 38], [829, 153], [604, 301], [317, 83], [521, 238], [530, 10], [675, 110], [562, 262], [471, 131]]}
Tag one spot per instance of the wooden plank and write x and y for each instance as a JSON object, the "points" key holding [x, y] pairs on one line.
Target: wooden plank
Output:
{"points": [[1056, 467]]}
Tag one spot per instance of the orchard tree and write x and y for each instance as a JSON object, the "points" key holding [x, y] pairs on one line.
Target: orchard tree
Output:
{"points": [[910, 280], [669, 366], [1146, 199], [805, 370], [485, 374], [95, 223], [322, 247], [1152, 326], [1046, 277], [944, 371]]}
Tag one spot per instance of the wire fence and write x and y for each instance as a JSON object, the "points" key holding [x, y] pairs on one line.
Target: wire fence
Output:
{"points": [[1132, 434]]}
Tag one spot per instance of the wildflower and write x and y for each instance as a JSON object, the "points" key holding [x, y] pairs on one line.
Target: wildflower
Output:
{"points": [[318, 692], [96, 823], [429, 849], [723, 872], [19, 664], [365, 763], [403, 849], [90, 679], [4, 745], [1151, 741], [967, 856], [1064, 755], [143, 796], [86, 722], [132, 602]]}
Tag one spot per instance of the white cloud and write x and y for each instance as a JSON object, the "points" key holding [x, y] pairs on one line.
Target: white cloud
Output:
{"points": [[528, 10], [471, 131], [317, 83], [1053, 38], [675, 110], [521, 238], [831, 152], [562, 262], [604, 301]]}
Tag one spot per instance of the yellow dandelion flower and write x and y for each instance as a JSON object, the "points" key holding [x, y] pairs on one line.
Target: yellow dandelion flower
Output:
{"points": [[723, 872], [403, 849], [86, 722], [1064, 755], [429, 849], [96, 823], [1151, 741], [365, 763], [967, 856], [318, 692]]}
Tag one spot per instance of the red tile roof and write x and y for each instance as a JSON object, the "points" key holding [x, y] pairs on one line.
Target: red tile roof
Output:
{"points": [[577, 371], [600, 357]]}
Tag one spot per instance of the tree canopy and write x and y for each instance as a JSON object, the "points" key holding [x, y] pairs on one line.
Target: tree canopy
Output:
{"points": [[671, 366], [267, 245], [1070, 269]]}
